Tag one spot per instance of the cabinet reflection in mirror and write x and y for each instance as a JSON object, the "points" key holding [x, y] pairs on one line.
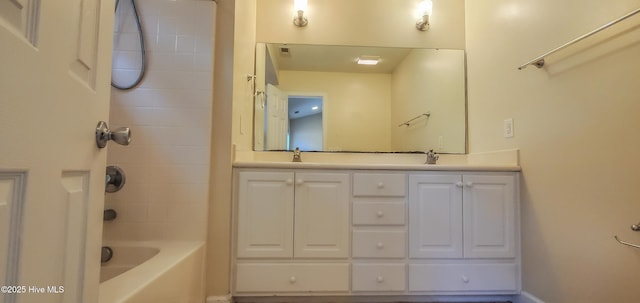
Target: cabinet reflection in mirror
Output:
{"points": [[318, 98]]}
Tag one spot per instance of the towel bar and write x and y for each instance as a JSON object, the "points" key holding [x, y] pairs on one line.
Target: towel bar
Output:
{"points": [[626, 243]]}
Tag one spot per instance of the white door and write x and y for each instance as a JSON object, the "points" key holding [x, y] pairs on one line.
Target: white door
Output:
{"points": [[489, 216], [54, 88], [435, 216], [265, 215], [321, 215], [277, 119]]}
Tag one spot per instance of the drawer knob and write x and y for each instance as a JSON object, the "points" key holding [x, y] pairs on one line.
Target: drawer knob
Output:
{"points": [[299, 181], [292, 279], [469, 184], [459, 184], [380, 185], [380, 245], [380, 279], [465, 279], [289, 181], [380, 214]]}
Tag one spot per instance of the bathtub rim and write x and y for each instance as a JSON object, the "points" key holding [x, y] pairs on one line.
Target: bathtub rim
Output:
{"points": [[129, 283]]}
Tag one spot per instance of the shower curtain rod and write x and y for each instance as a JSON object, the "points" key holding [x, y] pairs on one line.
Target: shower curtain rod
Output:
{"points": [[539, 61]]}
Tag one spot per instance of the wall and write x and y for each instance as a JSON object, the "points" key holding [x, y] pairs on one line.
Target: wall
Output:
{"points": [[234, 44], [343, 105], [333, 22], [429, 80], [576, 125], [362, 22], [167, 162], [306, 132]]}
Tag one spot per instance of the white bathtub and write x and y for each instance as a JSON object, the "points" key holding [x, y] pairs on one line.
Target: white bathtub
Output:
{"points": [[154, 272]]}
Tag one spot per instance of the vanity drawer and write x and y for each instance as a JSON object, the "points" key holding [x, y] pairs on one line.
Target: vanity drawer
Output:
{"points": [[378, 244], [379, 277], [463, 277], [379, 185], [379, 213], [273, 277]]}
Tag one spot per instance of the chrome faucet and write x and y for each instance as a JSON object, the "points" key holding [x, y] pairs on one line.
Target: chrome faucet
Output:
{"points": [[431, 157], [296, 155]]}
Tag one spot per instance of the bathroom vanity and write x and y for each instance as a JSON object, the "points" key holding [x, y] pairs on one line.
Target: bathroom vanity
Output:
{"points": [[320, 229]]}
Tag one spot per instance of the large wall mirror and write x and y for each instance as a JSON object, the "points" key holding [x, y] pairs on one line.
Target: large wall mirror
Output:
{"points": [[318, 98]]}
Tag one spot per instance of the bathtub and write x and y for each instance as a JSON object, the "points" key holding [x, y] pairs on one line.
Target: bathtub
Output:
{"points": [[158, 272]]}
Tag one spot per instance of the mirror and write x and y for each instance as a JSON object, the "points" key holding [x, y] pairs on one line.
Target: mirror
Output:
{"points": [[318, 98]]}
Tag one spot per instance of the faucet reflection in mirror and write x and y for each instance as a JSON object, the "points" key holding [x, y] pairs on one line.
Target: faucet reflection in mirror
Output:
{"points": [[300, 6], [425, 9]]}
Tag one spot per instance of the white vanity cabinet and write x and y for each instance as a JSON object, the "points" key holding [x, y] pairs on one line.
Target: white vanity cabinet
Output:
{"points": [[379, 232], [463, 232], [325, 232], [286, 222]]}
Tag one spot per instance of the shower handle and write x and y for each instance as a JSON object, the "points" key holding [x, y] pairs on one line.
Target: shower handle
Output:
{"points": [[121, 135], [115, 179]]}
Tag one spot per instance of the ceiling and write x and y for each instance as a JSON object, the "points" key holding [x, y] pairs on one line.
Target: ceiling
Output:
{"points": [[331, 58], [302, 106]]}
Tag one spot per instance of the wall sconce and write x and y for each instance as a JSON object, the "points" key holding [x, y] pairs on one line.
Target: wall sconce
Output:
{"points": [[425, 9], [299, 7]]}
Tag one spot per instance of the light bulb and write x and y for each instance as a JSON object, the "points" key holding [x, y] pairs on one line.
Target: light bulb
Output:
{"points": [[299, 5]]}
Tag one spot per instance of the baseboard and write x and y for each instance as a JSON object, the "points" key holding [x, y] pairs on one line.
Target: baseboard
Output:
{"points": [[526, 297], [219, 299]]}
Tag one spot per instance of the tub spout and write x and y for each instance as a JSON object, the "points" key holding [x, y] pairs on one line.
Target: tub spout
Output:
{"points": [[106, 255], [109, 215]]}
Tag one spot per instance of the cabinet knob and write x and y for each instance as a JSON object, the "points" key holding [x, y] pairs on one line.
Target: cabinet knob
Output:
{"points": [[380, 279], [380, 214], [380, 245], [459, 184], [292, 279], [380, 185], [465, 279], [289, 181], [469, 184], [299, 181]]}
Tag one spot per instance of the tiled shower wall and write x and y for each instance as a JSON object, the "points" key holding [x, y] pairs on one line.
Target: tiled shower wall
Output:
{"points": [[169, 113]]}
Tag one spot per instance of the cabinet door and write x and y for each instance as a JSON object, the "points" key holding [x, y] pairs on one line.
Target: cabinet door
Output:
{"points": [[435, 216], [489, 216], [322, 215], [265, 215]]}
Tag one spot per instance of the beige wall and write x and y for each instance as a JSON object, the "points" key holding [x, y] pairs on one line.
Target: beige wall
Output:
{"points": [[429, 80], [576, 125], [346, 127], [362, 22], [219, 235]]}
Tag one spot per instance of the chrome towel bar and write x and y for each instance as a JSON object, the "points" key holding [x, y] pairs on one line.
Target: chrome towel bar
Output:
{"points": [[626, 243], [408, 123], [634, 227], [539, 61]]}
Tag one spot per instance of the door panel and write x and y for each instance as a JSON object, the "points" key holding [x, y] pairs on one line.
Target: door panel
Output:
{"points": [[489, 216], [435, 216], [265, 215], [49, 109], [322, 215]]}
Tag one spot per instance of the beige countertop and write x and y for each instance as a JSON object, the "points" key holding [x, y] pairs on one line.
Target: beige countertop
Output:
{"points": [[506, 160]]}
